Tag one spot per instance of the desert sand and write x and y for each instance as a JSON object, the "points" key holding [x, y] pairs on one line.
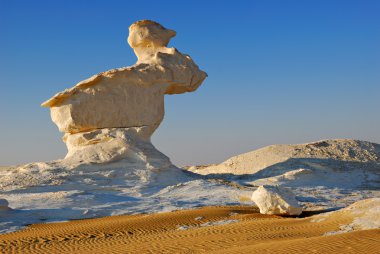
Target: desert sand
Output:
{"points": [[228, 229]]}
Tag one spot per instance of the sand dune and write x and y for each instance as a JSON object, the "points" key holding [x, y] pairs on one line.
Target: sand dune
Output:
{"points": [[210, 229]]}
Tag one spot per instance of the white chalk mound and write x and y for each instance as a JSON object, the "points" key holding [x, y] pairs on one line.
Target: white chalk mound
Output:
{"points": [[278, 156], [276, 200], [364, 214], [324, 174], [343, 163]]}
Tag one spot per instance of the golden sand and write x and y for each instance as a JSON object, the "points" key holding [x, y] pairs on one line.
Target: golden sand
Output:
{"points": [[160, 233]]}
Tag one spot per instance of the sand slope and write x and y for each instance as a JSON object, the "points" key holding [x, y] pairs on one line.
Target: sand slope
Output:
{"points": [[209, 229]]}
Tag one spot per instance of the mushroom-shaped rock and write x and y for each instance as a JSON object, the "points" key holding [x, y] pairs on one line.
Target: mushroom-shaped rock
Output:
{"points": [[125, 98], [276, 200]]}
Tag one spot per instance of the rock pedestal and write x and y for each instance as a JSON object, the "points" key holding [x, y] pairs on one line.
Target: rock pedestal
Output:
{"points": [[107, 116]]}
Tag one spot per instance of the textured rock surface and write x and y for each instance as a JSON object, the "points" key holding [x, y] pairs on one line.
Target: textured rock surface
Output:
{"points": [[112, 144], [276, 200], [276, 157], [130, 97]]}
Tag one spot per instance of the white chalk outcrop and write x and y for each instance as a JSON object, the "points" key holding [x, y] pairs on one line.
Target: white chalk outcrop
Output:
{"points": [[324, 174], [276, 200], [333, 163], [363, 214], [100, 115], [274, 156]]}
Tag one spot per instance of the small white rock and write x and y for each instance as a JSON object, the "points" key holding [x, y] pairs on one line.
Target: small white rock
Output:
{"points": [[276, 200]]}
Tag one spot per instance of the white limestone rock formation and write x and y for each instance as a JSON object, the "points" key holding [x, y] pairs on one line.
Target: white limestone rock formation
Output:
{"points": [[276, 200], [107, 116]]}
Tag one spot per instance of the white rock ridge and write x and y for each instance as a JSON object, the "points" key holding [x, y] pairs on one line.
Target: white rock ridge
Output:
{"points": [[336, 163], [276, 200], [324, 174], [276, 157], [128, 101]]}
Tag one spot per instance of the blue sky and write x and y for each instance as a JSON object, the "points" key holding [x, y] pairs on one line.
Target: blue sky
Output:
{"points": [[279, 71]]}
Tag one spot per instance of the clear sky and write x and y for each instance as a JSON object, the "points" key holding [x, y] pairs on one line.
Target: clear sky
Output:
{"points": [[279, 71]]}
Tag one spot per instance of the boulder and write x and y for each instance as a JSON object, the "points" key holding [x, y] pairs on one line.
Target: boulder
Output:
{"points": [[276, 200], [129, 97], [4, 205]]}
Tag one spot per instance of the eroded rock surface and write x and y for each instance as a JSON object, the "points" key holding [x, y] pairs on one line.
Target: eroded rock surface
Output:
{"points": [[112, 144], [130, 97]]}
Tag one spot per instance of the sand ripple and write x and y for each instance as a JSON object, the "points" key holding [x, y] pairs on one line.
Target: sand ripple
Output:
{"points": [[247, 231]]}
